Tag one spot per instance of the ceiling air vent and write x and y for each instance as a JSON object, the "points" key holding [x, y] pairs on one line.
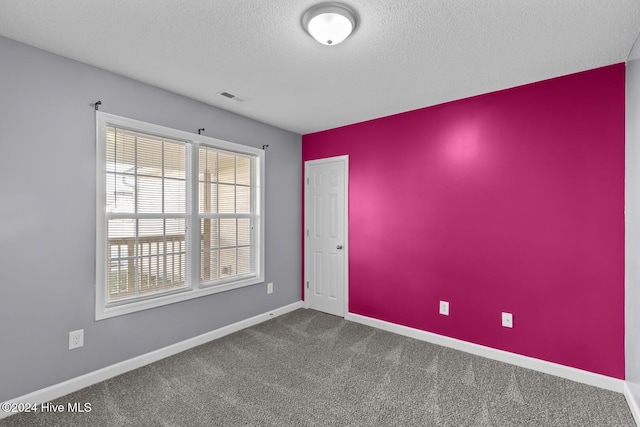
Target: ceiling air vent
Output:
{"points": [[233, 96]]}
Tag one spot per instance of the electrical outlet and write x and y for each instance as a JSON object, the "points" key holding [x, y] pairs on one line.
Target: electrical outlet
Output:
{"points": [[507, 320], [269, 288], [444, 308], [76, 339]]}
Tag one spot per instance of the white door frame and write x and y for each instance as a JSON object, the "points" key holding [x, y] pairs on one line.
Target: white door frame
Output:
{"points": [[345, 245]]}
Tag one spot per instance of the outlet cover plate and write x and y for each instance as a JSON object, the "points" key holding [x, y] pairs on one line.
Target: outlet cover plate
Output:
{"points": [[507, 320], [76, 339], [444, 308], [269, 288]]}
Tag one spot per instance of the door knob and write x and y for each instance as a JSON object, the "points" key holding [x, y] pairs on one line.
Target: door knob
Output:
{"points": [[339, 247]]}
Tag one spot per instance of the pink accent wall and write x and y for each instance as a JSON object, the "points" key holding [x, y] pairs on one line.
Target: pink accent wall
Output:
{"points": [[510, 201]]}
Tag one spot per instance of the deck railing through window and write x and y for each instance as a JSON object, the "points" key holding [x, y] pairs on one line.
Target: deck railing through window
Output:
{"points": [[153, 268]]}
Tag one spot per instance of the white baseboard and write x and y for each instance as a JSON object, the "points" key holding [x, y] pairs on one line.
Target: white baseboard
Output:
{"points": [[634, 405], [75, 384], [562, 371]]}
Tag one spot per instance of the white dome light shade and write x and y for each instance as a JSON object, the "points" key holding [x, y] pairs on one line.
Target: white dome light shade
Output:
{"points": [[330, 28], [329, 23]]}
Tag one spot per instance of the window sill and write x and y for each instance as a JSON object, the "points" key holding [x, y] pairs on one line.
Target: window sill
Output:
{"points": [[177, 296]]}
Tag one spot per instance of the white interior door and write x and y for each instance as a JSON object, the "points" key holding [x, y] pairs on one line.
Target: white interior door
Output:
{"points": [[326, 246]]}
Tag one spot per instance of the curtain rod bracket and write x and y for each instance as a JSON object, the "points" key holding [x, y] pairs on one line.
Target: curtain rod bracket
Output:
{"points": [[264, 147], [200, 131], [96, 105]]}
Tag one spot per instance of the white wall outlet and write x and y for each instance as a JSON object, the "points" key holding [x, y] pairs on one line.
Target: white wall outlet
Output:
{"points": [[444, 308], [269, 288], [507, 320], [76, 339]]}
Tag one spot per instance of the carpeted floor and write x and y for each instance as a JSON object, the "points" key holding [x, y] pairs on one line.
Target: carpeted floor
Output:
{"points": [[311, 369]]}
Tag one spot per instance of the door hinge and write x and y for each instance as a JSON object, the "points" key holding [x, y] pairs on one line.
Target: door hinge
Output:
{"points": [[307, 233], [307, 284], [307, 180]]}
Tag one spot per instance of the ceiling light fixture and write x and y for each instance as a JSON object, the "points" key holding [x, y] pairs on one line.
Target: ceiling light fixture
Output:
{"points": [[330, 23]]}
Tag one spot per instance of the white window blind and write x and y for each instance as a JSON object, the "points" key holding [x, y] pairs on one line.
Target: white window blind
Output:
{"points": [[178, 215], [226, 214], [146, 211]]}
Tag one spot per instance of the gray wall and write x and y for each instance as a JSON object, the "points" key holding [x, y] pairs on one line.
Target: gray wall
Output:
{"points": [[632, 225], [47, 220]]}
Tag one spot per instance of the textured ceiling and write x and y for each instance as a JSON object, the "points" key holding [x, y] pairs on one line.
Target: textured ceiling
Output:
{"points": [[405, 54]]}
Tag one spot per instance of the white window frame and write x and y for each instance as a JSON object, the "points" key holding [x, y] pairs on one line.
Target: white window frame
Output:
{"points": [[193, 287]]}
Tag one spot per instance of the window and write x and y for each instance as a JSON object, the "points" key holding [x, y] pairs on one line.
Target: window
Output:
{"points": [[178, 215]]}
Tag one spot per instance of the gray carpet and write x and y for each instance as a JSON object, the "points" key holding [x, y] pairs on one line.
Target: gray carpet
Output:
{"points": [[312, 369]]}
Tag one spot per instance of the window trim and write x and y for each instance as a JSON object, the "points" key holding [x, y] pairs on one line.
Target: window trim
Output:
{"points": [[193, 288]]}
